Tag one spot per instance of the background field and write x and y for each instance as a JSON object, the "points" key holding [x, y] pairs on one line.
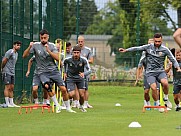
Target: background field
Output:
{"points": [[103, 120]]}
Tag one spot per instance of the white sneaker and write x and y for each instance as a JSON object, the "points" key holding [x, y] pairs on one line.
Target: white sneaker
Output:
{"points": [[82, 109], [63, 107], [89, 106], [85, 106], [58, 109], [70, 110], [168, 104], [161, 110]]}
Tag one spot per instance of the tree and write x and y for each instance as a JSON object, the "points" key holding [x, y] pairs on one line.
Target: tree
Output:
{"points": [[177, 5], [120, 19], [88, 9], [5, 16]]}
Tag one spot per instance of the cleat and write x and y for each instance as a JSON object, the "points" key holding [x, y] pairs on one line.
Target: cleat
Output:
{"points": [[58, 109], [70, 110], [89, 106], [161, 110], [48, 104], [168, 103], [82, 109], [148, 109], [85, 106], [63, 107], [75, 106], [178, 109]]}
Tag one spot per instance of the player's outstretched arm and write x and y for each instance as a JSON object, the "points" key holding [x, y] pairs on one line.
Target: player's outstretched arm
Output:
{"points": [[122, 50]]}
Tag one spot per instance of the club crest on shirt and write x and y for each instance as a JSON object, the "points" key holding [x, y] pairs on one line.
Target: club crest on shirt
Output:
{"points": [[84, 55], [39, 51], [160, 53], [80, 64]]}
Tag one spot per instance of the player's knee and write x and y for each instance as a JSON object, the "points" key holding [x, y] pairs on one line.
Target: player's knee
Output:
{"points": [[48, 86], [177, 33], [81, 94]]}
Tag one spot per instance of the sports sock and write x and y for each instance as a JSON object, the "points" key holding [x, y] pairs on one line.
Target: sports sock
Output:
{"points": [[44, 101], [77, 102], [157, 103], [166, 96], [54, 99], [48, 101], [145, 103], [85, 103], [67, 104], [148, 103], [7, 100], [36, 101], [11, 101]]}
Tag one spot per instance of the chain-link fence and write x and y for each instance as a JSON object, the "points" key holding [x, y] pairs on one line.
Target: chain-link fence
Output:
{"points": [[105, 24]]}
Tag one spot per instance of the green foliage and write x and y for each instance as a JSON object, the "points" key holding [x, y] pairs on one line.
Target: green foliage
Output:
{"points": [[87, 10], [5, 16], [120, 19]]}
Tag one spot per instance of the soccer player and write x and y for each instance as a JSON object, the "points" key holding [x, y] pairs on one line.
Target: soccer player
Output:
{"points": [[36, 83], [8, 73], [141, 67], [177, 82], [155, 56], [76, 68], [45, 54], [177, 36], [86, 52]]}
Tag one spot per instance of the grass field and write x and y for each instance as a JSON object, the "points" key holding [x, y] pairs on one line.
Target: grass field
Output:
{"points": [[105, 119]]}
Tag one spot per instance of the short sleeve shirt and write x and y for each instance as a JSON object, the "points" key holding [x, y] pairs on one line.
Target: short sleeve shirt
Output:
{"points": [[44, 62], [12, 57]]}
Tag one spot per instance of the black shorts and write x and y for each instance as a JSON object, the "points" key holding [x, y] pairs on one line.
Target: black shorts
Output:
{"points": [[71, 85], [54, 76], [8, 79]]}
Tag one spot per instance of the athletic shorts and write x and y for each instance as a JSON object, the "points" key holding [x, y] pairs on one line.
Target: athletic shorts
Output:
{"points": [[8, 79], [36, 80], [71, 85], [147, 86], [54, 76], [156, 77], [176, 89]]}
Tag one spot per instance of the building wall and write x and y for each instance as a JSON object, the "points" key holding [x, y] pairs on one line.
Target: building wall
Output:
{"points": [[170, 41], [99, 47]]}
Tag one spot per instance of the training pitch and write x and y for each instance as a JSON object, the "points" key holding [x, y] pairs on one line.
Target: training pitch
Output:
{"points": [[105, 119]]}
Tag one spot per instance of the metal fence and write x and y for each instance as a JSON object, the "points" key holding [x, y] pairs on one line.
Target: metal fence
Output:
{"points": [[105, 24]]}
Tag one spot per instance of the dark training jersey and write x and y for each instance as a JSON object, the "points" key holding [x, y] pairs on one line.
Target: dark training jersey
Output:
{"points": [[177, 76], [74, 67]]}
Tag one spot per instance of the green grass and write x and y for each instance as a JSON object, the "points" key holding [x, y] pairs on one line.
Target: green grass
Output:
{"points": [[104, 119]]}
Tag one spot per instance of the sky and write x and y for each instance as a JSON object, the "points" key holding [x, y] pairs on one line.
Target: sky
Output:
{"points": [[101, 3]]}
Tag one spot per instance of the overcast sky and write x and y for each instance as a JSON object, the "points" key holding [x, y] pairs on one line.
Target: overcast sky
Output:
{"points": [[101, 3]]}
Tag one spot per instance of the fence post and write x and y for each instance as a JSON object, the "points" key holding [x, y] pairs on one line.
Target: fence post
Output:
{"points": [[138, 30]]}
